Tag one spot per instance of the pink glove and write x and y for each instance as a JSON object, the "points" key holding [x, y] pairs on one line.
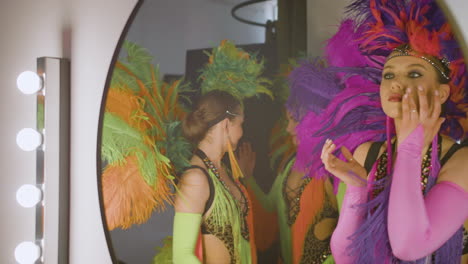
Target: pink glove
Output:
{"points": [[351, 217], [418, 225]]}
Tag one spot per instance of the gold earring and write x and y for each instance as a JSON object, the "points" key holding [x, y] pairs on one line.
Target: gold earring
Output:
{"points": [[236, 171]]}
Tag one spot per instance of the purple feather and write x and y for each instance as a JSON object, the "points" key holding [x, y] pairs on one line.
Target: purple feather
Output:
{"points": [[353, 117], [312, 86]]}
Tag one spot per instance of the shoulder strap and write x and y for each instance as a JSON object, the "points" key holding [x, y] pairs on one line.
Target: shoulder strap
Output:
{"points": [[372, 155], [210, 183], [454, 148]]}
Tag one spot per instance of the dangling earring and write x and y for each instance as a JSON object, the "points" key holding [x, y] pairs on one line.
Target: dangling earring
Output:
{"points": [[236, 171]]}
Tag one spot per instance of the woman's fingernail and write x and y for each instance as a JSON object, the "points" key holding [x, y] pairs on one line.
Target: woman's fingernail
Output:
{"points": [[405, 96], [436, 92], [420, 88], [408, 90]]}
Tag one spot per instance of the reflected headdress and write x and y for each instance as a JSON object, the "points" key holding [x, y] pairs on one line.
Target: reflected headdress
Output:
{"points": [[235, 71], [312, 86], [142, 143]]}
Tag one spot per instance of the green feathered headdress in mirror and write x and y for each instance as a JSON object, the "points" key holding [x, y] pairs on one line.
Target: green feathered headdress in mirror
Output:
{"points": [[235, 71]]}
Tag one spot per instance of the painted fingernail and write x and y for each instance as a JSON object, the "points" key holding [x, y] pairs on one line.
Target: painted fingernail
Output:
{"points": [[436, 92], [408, 90], [420, 88], [405, 96]]}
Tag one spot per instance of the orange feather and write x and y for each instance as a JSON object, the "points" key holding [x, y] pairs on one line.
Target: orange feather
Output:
{"points": [[127, 198]]}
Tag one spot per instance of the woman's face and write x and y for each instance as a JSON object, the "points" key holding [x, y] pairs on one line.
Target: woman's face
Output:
{"points": [[403, 73], [291, 128], [235, 128]]}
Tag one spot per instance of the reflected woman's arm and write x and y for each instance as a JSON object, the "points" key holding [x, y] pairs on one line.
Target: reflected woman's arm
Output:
{"points": [[247, 159], [190, 202]]}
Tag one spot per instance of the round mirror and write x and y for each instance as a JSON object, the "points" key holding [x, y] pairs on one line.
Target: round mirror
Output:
{"points": [[159, 72], [161, 55]]}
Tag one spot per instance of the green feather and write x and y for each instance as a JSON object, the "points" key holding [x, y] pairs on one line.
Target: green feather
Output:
{"points": [[178, 149], [121, 140], [118, 138], [164, 253], [234, 71]]}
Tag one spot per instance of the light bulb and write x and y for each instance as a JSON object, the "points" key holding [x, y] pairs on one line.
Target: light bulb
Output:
{"points": [[28, 139], [27, 252], [28, 195], [29, 82]]}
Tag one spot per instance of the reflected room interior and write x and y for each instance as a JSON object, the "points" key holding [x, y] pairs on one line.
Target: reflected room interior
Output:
{"points": [[177, 35], [178, 45]]}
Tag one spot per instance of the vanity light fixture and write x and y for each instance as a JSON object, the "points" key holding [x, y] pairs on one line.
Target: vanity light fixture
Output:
{"points": [[27, 252], [28, 139], [49, 195], [29, 82], [28, 195]]}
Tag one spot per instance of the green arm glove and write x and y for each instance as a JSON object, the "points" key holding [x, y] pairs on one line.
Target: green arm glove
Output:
{"points": [[186, 230]]}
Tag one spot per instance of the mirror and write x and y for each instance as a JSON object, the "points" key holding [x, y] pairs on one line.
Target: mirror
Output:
{"points": [[176, 47], [177, 55]]}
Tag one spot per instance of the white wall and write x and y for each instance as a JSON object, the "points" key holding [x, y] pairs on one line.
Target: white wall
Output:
{"points": [[31, 29], [25, 34]]}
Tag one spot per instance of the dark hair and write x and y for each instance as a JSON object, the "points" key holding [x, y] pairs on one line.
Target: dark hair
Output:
{"points": [[210, 109]]}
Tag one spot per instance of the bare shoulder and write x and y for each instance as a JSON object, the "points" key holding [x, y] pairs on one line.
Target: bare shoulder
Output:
{"points": [[361, 151], [456, 169], [194, 177], [193, 191]]}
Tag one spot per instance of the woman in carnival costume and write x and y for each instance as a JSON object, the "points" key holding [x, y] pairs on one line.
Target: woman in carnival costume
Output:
{"points": [[144, 148], [213, 221], [407, 198], [306, 208]]}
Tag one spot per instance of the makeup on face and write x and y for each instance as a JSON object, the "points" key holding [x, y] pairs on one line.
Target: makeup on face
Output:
{"points": [[405, 75]]}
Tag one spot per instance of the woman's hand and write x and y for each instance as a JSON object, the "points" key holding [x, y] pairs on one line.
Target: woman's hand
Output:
{"points": [[350, 171], [429, 119], [246, 158]]}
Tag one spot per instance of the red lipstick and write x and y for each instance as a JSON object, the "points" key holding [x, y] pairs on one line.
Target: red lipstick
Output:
{"points": [[395, 97]]}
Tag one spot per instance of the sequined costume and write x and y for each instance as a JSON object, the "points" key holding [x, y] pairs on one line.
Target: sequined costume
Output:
{"points": [[306, 217], [226, 218]]}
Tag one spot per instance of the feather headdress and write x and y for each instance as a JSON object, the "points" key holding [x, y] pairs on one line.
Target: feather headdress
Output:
{"points": [[421, 25], [235, 71], [352, 117], [312, 86], [142, 143]]}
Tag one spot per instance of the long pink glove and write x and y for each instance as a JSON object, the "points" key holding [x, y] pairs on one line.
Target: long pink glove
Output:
{"points": [[418, 226], [351, 217]]}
